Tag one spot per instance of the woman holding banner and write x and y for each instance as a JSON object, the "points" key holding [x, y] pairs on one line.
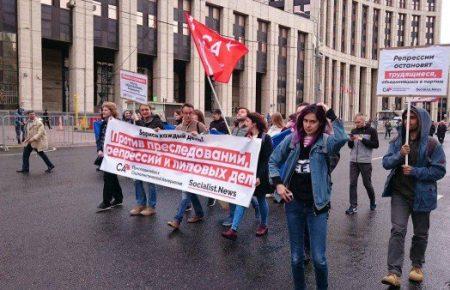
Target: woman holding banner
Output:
{"points": [[305, 186], [111, 186], [256, 129]]}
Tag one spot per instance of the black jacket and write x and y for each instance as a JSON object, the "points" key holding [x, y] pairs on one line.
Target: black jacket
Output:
{"points": [[432, 130], [219, 125], [153, 123], [101, 138], [442, 128], [367, 130], [262, 172]]}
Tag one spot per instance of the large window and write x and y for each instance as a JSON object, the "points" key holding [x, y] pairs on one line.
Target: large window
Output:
{"points": [[415, 30], [282, 70], [430, 30], [9, 97], [402, 4], [239, 35], [213, 17], [401, 30], [353, 29], [181, 37], [344, 26], [146, 26], [300, 84], [261, 61], [376, 20], [335, 29], [365, 13], [415, 4], [431, 5], [388, 29], [104, 82], [302, 7]]}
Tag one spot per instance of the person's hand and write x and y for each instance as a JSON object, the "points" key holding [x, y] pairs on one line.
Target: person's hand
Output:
{"points": [[156, 129], [258, 181], [285, 193], [135, 117], [405, 150], [194, 133], [100, 153], [407, 169], [324, 106]]}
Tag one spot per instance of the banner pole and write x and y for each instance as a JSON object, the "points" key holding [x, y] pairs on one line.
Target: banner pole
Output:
{"points": [[134, 113], [408, 115], [218, 103]]}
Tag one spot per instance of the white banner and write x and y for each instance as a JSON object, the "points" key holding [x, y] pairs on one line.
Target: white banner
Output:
{"points": [[424, 99], [133, 86], [419, 71], [218, 166]]}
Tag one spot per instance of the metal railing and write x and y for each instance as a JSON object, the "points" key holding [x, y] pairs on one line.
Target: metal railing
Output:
{"points": [[62, 130]]}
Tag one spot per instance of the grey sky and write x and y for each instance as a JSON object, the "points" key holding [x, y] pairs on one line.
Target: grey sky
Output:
{"points": [[445, 23]]}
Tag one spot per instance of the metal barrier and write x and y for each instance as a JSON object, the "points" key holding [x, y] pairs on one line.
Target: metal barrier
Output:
{"points": [[62, 130]]}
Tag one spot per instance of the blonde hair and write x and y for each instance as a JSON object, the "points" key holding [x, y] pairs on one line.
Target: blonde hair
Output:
{"points": [[112, 107], [277, 120]]}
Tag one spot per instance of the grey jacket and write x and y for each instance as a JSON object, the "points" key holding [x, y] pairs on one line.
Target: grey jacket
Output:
{"points": [[239, 131], [361, 151]]}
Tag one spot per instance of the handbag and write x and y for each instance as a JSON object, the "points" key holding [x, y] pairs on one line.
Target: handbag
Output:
{"points": [[98, 161]]}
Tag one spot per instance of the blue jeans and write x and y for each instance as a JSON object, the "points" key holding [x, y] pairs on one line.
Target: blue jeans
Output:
{"points": [[141, 195], [298, 215], [253, 202], [186, 199], [240, 210]]}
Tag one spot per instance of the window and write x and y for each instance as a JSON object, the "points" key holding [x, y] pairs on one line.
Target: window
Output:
{"points": [[376, 20], [112, 12], [401, 30], [364, 30], [388, 29], [104, 82], [300, 84], [139, 18], [385, 103], [402, 4], [431, 5], [415, 30], [389, 2], [344, 21], [47, 2], [302, 8], [398, 103], [415, 4], [353, 28], [430, 30], [97, 8]]}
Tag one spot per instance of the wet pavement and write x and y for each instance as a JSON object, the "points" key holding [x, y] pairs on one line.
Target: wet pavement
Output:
{"points": [[51, 236]]}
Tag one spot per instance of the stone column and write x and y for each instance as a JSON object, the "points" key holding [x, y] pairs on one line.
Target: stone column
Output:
{"points": [[423, 29], [249, 73], [195, 74], [163, 65], [394, 30], [289, 6], [365, 91], [338, 25], [291, 84], [225, 91], [345, 94], [126, 57], [357, 107], [337, 87], [29, 54], [81, 58], [328, 84], [408, 29], [270, 87], [348, 26], [369, 39], [321, 83], [309, 81]]}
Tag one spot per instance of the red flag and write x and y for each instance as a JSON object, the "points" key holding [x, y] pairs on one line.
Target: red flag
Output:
{"points": [[219, 54]]}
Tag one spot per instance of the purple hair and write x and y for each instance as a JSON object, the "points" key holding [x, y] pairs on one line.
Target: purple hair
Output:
{"points": [[299, 133]]}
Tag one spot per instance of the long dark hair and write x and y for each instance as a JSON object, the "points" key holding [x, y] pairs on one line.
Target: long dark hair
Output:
{"points": [[259, 120], [320, 113]]}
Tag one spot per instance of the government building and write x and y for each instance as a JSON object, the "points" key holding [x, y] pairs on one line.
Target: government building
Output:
{"points": [[65, 55]]}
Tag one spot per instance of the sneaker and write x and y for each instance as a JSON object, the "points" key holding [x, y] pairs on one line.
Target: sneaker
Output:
{"points": [[373, 206], [227, 222], [137, 210], [148, 211], [195, 219], [416, 275], [261, 231], [211, 202], [23, 171], [174, 224], [102, 207], [391, 280], [230, 234], [351, 210], [49, 170], [189, 208], [116, 203]]}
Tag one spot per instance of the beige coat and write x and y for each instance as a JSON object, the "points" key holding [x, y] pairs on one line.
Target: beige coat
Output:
{"points": [[36, 135]]}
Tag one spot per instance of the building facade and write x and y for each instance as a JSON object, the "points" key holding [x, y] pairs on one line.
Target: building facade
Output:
{"points": [[65, 55]]}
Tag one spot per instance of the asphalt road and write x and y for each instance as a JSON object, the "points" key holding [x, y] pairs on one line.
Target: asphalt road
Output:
{"points": [[51, 236]]}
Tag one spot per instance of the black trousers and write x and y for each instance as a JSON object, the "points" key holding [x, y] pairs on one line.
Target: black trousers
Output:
{"points": [[111, 188], [26, 158], [366, 171]]}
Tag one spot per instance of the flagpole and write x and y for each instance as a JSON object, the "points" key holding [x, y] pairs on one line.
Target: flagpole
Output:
{"points": [[218, 103]]}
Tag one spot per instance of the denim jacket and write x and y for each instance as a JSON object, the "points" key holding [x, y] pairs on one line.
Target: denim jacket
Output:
{"points": [[429, 168], [289, 153]]}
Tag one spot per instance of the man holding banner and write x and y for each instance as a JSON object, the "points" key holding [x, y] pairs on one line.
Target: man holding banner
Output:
{"points": [[413, 191]]}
